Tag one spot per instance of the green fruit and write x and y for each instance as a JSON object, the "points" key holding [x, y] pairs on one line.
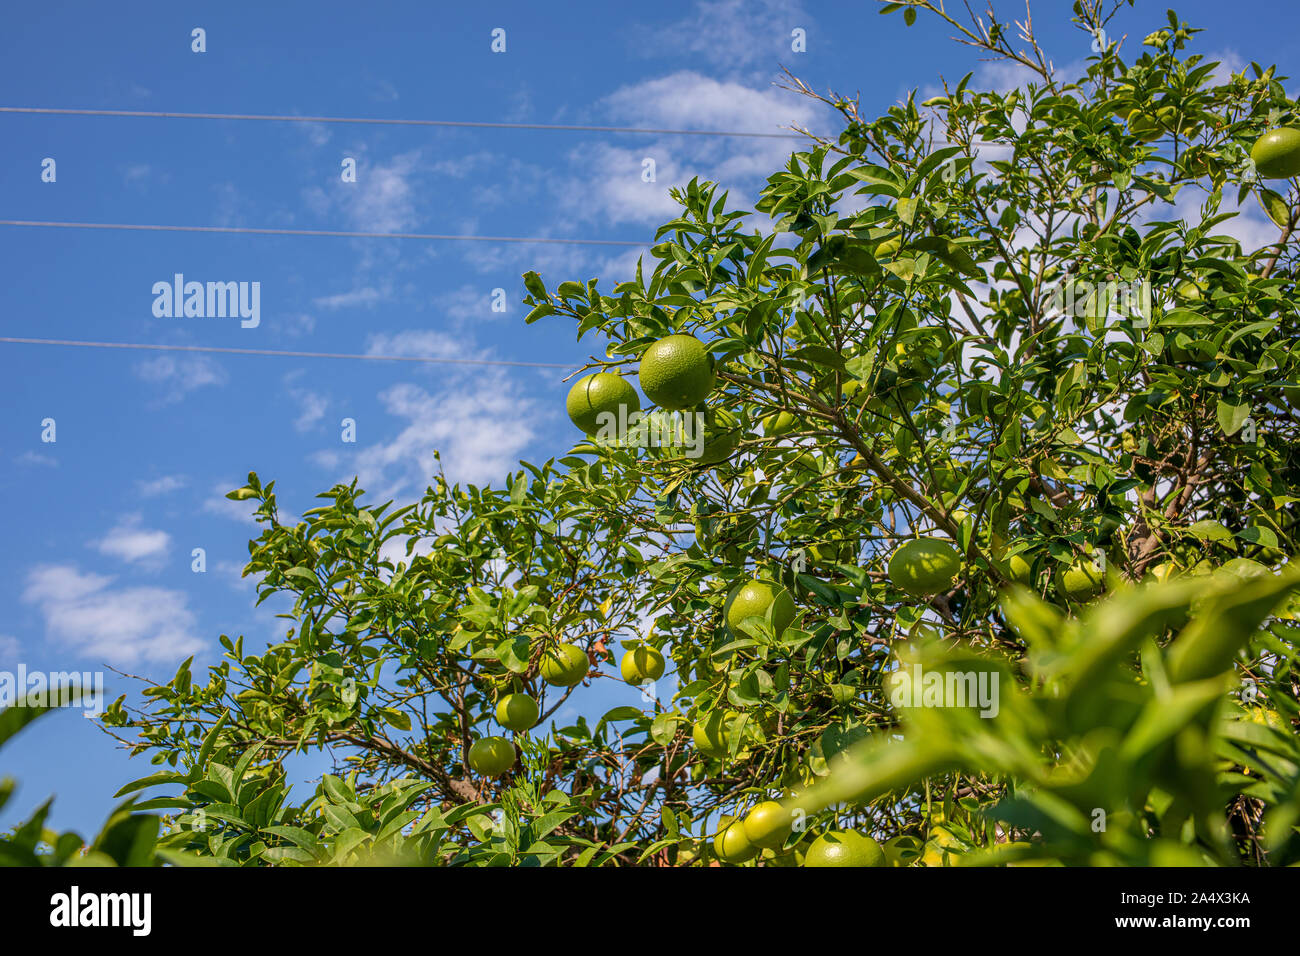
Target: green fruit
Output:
{"points": [[641, 664], [781, 423], [712, 736], [925, 566], [517, 712], [565, 665], [677, 372], [722, 433], [753, 599], [1080, 581], [768, 824], [1188, 291], [730, 844], [1019, 569], [1276, 154], [603, 393], [491, 756], [845, 848]]}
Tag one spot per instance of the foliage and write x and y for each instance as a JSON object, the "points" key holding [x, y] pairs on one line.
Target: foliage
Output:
{"points": [[905, 311]]}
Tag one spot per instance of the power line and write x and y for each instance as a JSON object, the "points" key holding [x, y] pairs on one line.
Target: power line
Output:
{"points": [[152, 227], [290, 354], [375, 121]]}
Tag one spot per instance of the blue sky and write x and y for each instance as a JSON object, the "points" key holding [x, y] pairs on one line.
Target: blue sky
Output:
{"points": [[101, 523]]}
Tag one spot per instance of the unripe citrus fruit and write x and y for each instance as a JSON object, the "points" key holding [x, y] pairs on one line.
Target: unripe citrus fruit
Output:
{"points": [[712, 736], [1276, 154], [753, 599], [925, 566], [722, 433], [768, 824], [565, 665], [491, 756], [1019, 569], [730, 844], [845, 848], [1080, 581], [676, 372], [641, 664], [516, 712], [603, 393]]}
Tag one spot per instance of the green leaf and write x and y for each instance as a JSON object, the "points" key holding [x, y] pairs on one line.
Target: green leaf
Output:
{"points": [[1275, 206], [1231, 416], [907, 210]]}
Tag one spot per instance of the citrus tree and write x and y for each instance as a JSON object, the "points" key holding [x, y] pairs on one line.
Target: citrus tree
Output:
{"points": [[996, 396]]}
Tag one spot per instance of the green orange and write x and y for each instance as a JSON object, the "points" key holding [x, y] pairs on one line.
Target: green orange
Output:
{"points": [[601, 394], [845, 848], [641, 664], [491, 756], [753, 599], [677, 372], [730, 844], [565, 665], [768, 825], [1276, 154], [517, 712], [925, 566], [1080, 581]]}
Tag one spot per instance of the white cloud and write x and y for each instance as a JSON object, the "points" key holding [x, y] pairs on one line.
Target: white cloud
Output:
{"points": [[731, 34], [131, 543], [219, 504], [311, 404], [366, 295], [122, 626], [161, 486], [180, 375], [9, 648], [36, 458], [383, 197]]}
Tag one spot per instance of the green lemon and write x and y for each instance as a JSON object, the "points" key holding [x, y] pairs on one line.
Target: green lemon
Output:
{"points": [[565, 665], [601, 394], [1276, 154], [677, 372], [641, 664], [925, 566], [491, 756], [1189, 291], [753, 599], [730, 844], [845, 848], [517, 712], [768, 824]]}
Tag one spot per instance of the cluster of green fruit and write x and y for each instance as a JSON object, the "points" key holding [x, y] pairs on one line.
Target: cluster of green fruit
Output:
{"points": [[767, 827], [565, 665]]}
